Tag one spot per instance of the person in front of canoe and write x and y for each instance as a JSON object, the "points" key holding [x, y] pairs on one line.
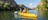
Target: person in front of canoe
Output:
{"points": [[24, 10]]}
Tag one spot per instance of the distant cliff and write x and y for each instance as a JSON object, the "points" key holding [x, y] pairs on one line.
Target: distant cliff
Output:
{"points": [[23, 6]]}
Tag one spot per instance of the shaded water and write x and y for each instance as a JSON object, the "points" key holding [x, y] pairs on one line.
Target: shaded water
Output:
{"points": [[7, 15]]}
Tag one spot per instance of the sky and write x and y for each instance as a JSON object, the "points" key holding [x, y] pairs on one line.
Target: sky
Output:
{"points": [[28, 3]]}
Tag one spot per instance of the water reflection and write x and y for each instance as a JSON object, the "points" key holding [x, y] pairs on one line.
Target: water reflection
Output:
{"points": [[30, 11], [33, 11], [5, 15]]}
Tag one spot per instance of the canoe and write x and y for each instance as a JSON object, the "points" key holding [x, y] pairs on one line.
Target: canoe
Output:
{"points": [[27, 15]]}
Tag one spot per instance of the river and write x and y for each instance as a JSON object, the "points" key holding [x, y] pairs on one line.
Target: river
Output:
{"points": [[9, 15], [6, 15], [33, 12]]}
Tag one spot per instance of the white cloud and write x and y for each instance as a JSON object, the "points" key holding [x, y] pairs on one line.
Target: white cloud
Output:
{"points": [[30, 4]]}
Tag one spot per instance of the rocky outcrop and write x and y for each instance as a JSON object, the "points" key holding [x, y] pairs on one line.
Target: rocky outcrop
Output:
{"points": [[8, 5], [23, 6]]}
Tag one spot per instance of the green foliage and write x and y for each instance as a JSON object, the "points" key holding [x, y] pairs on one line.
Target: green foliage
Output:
{"points": [[1, 3], [6, 5], [44, 9], [47, 4]]}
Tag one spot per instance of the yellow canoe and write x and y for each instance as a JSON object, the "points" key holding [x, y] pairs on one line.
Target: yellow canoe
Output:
{"points": [[27, 15]]}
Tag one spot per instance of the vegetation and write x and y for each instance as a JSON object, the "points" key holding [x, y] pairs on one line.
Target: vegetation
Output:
{"points": [[8, 6], [6, 11], [43, 9]]}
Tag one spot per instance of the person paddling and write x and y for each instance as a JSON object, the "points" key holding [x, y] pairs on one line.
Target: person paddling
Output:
{"points": [[24, 10], [25, 14]]}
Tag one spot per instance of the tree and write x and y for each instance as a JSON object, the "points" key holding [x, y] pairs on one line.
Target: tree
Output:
{"points": [[6, 5], [44, 9]]}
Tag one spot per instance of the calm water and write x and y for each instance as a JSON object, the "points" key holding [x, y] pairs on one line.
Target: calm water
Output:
{"points": [[6, 15], [10, 14], [33, 12]]}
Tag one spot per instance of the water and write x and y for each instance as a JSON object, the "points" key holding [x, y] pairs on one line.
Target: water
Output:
{"points": [[30, 11], [33, 11], [7, 15], [10, 14]]}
